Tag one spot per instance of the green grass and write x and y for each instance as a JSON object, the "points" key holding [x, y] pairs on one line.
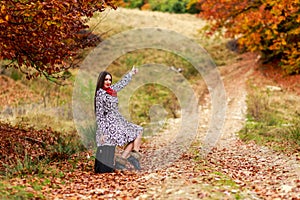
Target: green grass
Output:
{"points": [[23, 164], [149, 95], [272, 120], [24, 167], [48, 105], [17, 192], [293, 134], [31, 185]]}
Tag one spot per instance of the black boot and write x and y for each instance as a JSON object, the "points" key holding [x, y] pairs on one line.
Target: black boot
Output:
{"points": [[134, 159], [120, 163], [119, 166]]}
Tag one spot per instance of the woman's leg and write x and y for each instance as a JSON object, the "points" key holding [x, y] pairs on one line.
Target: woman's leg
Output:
{"points": [[131, 153], [121, 160], [134, 145], [127, 150], [137, 142], [135, 156]]}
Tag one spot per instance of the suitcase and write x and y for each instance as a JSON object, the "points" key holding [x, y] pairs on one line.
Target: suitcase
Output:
{"points": [[104, 161]]}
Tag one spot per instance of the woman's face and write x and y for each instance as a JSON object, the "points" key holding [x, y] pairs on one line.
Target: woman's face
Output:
{"points": [[107, 81]]}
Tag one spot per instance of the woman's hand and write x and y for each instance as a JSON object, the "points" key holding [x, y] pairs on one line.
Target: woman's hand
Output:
{"points": [[134, 70]]}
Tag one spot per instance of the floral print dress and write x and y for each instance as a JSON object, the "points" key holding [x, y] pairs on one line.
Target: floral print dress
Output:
{"points": [[112, 127]]}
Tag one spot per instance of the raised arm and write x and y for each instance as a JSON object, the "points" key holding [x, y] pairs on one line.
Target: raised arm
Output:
{"points": [[125, 80], [122, 83]]}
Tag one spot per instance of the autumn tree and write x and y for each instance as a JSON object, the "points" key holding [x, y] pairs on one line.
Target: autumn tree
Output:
{"points": [[41, 37], [271, 27]]}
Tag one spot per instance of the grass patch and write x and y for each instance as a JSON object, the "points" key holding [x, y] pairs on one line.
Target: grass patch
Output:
{"points": [[56, 118], [25, 166], [146, 56], [147, 97], [8, 191], [272, 119], [30, 151], [53, 176], [47, 104]]}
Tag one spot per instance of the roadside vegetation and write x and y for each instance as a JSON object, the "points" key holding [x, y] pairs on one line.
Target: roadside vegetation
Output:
{"points": [[171, 6], [272, 117]]}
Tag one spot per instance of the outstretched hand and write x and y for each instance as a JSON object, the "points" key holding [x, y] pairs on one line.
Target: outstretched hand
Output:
{"points": [[134, 70]]}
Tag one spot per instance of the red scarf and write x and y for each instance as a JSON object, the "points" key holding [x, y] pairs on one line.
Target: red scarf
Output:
{"points": [[110, 91]]}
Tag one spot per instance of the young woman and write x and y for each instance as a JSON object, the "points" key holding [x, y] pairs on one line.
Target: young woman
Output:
{"points": [[112, 128]]}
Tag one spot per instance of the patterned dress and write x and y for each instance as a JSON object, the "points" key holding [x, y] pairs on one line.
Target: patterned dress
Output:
{"points": [[112, 127]]}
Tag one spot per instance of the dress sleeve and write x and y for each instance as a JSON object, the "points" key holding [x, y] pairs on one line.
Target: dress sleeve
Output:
{"points": [[122, 83]]}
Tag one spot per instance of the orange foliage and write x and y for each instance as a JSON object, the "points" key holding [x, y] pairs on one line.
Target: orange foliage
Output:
{"points": [[146, 6], [271, 27], [42, 36]]}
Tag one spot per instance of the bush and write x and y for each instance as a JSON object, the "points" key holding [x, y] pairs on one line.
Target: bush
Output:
{"points": [[269, 27], [193, 7], [134, 3], [172, 6], [28, 150], [258, 106], [293, 134]]}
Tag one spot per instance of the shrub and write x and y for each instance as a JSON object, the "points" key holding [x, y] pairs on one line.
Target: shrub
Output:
{"points": [[293, 134], [258, 106], [270, 27], [28, 150], [172, 6], [134, 3]]}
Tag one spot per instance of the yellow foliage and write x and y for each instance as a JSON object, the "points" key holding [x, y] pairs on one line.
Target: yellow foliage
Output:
{"points": [[2, 8]]}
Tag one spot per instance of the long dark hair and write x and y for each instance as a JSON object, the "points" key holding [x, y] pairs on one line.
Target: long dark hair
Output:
{"points": [[100, 84]]}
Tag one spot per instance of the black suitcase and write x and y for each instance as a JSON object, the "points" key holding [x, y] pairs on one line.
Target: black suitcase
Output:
{"points": [[104, 162]]}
